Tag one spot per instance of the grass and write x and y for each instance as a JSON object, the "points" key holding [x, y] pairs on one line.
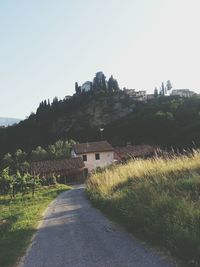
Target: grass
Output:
{"points": [[18, 221], [156, 199]]}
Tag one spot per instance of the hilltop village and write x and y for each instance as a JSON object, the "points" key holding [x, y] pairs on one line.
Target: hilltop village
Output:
{"points": [[100, 83]]}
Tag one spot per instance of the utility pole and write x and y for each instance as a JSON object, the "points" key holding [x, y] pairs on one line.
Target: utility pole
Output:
{"points": [[101, 131]]}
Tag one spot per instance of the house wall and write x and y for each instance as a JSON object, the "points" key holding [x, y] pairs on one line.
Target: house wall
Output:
{"points": [[86, 87], [182, 92], [106, 158]]}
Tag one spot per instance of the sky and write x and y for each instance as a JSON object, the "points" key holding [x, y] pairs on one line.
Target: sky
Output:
{"points": [[48, 45]]}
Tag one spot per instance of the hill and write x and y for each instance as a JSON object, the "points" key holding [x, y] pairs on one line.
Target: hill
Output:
{"points": [[168, 121], [164, 121], [8, 121], [79, 117]]}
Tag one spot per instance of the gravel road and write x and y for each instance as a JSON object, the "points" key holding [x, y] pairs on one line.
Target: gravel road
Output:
{"points": [[74, 234]]}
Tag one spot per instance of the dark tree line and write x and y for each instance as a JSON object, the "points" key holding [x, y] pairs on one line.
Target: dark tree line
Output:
{"points": [[165, 121], [20, 160]]}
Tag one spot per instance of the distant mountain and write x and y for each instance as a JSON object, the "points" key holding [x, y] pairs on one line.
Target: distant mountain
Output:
{"points": [[8, 121]]}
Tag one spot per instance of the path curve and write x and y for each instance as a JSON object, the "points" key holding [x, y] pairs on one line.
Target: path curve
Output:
{"points": [[74, 234]]}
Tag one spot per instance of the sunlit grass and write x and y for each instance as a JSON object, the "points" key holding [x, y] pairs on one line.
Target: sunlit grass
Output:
{"points": [[158, 199], [18, 221]]}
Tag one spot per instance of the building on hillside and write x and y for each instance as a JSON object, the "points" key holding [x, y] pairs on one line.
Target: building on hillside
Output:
{"points": [[67, 169], [94, 154], [87, 86], [122, 154], [150, 96], [139, 96], [67, 97], [183, 92]]}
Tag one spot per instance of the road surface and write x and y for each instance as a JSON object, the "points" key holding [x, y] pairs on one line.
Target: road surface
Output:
{"points": [[74, 234]]}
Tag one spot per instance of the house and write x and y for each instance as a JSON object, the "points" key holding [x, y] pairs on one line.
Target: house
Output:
{"points": [[66, 169], [122, 154], [139, 96], [86, 86], [94, 154], [183, 92], [150, 96]]}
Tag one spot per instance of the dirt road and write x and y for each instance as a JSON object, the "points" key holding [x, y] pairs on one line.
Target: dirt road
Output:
{"points": [[74, 234]]}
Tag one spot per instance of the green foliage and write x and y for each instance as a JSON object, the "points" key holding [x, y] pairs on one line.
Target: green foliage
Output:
{"points": [[39, 154], [61, 149], [67, 118], [6, 181], [20, 160], [18, 221], [16, 162], [17, 183], [165, 121], [155, 92]]}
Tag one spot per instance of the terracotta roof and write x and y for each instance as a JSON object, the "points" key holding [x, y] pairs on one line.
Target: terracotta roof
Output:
{"points": [[52, 166], [124, 153], [101, 146]]}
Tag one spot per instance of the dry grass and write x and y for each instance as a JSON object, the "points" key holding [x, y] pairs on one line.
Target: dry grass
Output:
{"points": [[158, 199]]}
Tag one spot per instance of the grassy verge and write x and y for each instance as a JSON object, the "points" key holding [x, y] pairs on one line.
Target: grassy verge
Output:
{"points": [[18, 221], [156, 199]]}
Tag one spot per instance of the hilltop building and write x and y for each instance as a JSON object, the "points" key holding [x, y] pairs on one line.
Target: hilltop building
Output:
{"points": [[150, 96], [99, 83], [140, 96], [86, 86], [183, 92]]}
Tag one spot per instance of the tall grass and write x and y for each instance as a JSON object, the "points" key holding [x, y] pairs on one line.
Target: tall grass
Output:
{"points": [[158, 199]]}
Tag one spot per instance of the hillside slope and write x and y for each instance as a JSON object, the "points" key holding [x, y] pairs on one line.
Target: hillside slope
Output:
{"points": [[156, 199], [164, 121], [79, 117]]}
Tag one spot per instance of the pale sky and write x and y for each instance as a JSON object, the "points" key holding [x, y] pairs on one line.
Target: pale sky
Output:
{"points": [[48, 45]]}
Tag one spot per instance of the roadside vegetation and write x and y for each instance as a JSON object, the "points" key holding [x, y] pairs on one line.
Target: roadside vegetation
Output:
{"points": [[19, 216], [157, 199]]}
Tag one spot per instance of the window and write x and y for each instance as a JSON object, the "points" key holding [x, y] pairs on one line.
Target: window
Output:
{"points": [[84, 157], [97, 156]]}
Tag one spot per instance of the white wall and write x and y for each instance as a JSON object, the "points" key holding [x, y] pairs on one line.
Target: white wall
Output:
{"points": [[106, 158]]}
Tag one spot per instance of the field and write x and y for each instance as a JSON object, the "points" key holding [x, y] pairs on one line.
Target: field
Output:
{"points": [[156, 199], [18, 221]]}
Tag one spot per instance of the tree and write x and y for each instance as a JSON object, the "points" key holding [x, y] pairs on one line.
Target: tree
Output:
{"points": [[8, 161], [113, 84], [77, 88], [20, 156], [155, 92], [5, 181], [55, 100], [169, 85], [61, 149], [39, 154], [162, 89], [99, 81], [20, 161]]}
